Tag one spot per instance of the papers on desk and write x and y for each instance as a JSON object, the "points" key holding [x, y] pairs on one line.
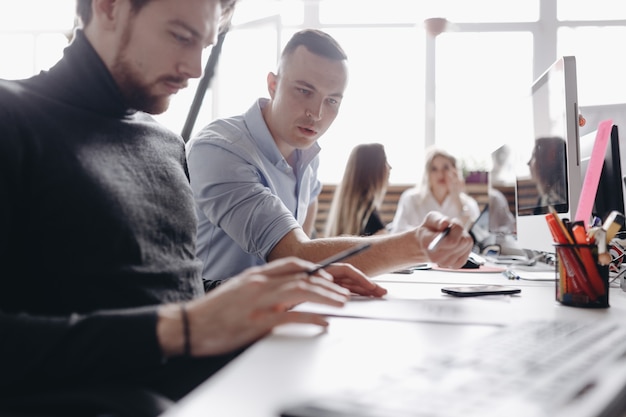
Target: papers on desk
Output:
{"points": [[486, 310]]}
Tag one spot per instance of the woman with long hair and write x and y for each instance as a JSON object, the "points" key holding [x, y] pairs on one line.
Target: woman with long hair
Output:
{"points": [[357, 199]]}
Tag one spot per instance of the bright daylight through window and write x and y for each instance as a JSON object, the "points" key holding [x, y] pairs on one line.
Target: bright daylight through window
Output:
{"points": [[482, 67]]}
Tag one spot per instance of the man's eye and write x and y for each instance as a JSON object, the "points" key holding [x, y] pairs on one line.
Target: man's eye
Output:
{"points": [[181, 38], [333, 101], [304, 91]]}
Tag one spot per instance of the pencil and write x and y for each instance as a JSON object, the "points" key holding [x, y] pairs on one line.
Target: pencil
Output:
{"points": [[437, 240]]}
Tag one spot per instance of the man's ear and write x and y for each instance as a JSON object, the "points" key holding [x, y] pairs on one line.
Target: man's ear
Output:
{"points": [[104, 12], [272, 80]]}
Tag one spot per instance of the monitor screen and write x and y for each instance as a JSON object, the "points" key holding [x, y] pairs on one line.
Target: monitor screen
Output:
{"points": [[548, 167], [610, 194], [612, 187]]}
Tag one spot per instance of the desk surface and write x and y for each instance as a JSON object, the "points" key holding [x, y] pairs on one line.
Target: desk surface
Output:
{"points": [[297, 362]]}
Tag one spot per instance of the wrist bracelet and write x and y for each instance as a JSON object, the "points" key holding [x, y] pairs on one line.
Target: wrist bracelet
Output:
{"points": [[186, 337]]}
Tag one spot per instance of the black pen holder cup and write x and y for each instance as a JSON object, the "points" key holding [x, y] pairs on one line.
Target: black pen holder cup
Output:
{"points": [[580, 280]]}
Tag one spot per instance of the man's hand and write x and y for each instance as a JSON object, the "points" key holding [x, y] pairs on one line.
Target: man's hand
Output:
{"points": [[354, 280], [454, 249], [251, 304]]}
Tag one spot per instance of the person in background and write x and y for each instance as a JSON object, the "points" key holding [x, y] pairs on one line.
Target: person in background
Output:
{"points": [[254, 176], [501, 218], [503, 167], [502, 179], [102, 308], [547, 167], [441, 190], [357, 199]]}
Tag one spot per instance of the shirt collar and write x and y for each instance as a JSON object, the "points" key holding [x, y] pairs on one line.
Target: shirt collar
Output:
{"points": [[261, 135]]}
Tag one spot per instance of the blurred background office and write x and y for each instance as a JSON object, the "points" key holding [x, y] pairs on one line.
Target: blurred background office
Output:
{"points": [[462, 84]]}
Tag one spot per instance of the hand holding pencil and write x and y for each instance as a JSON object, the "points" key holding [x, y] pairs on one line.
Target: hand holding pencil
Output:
{"points": [[348, 276], [446, 242]]}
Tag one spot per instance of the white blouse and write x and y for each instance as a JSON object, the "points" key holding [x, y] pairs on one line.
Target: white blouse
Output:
{"points": [[413, 208]]}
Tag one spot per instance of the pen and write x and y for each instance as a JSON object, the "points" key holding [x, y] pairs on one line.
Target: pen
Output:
{"points": [[558, 228], [613, 223], [339, 257], [510, 274], [586, 258], [570, 256], [437, 240], [604, 257]]}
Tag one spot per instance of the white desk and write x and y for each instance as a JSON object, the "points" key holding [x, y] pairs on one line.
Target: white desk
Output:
{"points": [[300, 362]]}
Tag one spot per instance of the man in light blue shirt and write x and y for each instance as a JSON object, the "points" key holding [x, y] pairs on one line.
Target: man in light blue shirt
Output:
{"points": [[255, 196], [254, 176]]}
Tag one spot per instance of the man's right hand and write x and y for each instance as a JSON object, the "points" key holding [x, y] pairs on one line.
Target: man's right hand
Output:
{"points": [[247, 307], [454, 249]]}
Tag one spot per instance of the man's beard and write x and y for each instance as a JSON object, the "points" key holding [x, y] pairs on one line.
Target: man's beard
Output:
{"points": [[137, 93], [135, 90]]}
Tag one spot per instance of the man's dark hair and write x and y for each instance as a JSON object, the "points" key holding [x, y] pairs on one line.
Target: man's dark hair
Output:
{"points": [[317, 42], [83, 10]]}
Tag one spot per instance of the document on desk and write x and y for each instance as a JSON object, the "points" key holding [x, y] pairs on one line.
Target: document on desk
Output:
{"points": [[486, 311]]}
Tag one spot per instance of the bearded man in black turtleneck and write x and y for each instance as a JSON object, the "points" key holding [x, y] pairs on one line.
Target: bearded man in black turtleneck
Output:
{"points": [[100, 290]]}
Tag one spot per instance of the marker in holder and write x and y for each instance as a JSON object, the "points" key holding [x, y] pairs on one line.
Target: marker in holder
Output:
{"points": [[580, 280]]}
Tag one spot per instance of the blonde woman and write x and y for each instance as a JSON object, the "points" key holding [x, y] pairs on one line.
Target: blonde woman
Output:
{"points": [[442, 190], [355, 205]]}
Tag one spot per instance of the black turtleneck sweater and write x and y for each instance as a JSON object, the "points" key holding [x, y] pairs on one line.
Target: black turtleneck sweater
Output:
{"points": [[97, 227]]}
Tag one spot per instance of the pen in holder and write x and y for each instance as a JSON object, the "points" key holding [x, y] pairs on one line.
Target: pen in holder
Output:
{"points": [[581, 281]]}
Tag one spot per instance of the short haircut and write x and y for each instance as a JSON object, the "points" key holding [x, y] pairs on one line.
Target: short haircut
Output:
{"points": [[83, 9], [316, 42]]}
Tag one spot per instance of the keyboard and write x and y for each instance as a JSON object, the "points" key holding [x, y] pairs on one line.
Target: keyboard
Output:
{"points": [[544, 368]]}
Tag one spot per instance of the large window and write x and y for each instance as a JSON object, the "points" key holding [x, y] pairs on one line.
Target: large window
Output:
{"points": [[464, 90], [482, 84], [600, 58], [33, 34]]}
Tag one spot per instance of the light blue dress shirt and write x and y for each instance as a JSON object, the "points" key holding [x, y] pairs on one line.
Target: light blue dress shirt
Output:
{"points": [[247, 196]]}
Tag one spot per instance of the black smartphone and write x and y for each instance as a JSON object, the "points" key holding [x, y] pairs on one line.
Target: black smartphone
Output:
{"points": [[476, 290]]}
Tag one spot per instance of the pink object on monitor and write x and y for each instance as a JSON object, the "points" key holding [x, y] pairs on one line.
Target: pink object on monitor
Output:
{"points": [[594, 170]]}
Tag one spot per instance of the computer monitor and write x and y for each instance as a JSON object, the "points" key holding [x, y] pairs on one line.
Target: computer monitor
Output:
{"points": [[548, 170], [594, 114], [610, 194]]}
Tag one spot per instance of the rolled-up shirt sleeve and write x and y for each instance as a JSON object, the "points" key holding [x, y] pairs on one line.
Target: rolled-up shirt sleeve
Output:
{"points": [[234, 195]]}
